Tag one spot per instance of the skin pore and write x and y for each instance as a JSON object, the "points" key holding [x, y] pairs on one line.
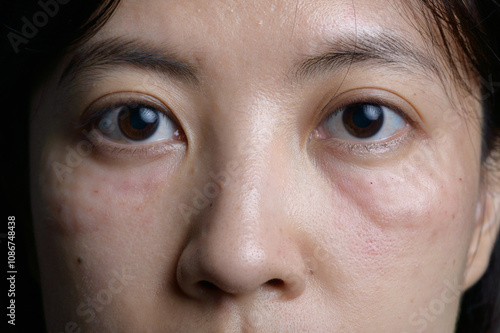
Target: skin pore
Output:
{"points": [[252, 208]]}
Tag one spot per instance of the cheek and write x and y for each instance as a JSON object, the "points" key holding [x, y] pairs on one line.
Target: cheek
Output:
{"points": [[421, 209], [90, 201], [87, 223], [93, 197]]}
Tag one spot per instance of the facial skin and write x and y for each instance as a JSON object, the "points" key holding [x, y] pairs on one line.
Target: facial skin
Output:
{"points": [[260, 213]]}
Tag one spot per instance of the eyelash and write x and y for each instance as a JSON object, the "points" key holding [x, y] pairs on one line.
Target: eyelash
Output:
{"points": [[370, 147], [377, 101], [106, 146]]}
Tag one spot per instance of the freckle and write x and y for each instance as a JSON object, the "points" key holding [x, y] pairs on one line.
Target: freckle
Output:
{"points": [[79, 260], [454, 261], [453, 216]]}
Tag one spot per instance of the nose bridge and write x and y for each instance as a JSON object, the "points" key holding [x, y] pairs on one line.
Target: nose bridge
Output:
{"points": [[240, 230], [247, 152], [254, 176], [242, 240]]}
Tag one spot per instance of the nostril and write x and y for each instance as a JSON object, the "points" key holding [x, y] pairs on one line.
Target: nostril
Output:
{"points": [[275, 282], [207, 285]]}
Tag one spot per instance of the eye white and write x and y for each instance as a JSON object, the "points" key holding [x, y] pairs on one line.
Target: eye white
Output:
{"points": [[109, 126], [392, 124]]}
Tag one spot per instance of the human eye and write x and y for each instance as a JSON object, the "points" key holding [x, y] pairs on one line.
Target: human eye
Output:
{"points": [[131, 122], [364, 122], [365, 125]]}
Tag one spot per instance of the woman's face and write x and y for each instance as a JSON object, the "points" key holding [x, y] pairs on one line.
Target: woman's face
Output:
{"points": [[256, 166]]}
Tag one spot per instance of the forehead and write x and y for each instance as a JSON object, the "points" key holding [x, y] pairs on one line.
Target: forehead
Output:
{"points": [[199, 26]]}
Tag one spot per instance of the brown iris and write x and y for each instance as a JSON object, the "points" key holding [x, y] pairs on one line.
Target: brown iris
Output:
{"points": [[138, 122], [363, 120]]}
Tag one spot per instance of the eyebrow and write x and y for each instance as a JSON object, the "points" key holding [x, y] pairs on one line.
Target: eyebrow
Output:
{"points": [[384, 49], [110, 53]]}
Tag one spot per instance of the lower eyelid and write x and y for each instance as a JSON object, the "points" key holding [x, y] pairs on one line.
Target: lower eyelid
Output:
{"points": [[340, 147], [116, 99], [106, 149]]}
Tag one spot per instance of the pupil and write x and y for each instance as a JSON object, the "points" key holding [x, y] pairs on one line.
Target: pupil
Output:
{"points": [[363, 120], [142, 118], [138, 122]]}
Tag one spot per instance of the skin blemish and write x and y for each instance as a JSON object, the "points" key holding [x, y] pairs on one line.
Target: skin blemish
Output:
{"points": [[79, 260]]}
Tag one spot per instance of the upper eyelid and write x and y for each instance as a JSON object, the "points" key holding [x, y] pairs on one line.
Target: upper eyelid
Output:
{"points": [[97, 107], [394, 109], [372, 95], [128, 145], [389, 106]]}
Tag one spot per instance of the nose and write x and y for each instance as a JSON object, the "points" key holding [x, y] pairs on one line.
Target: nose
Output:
{"points": [[244, 243]]}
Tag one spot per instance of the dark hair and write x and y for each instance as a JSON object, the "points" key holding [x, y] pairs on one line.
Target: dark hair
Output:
{"points": [[51, 27], [33, 43], [468, 33]]}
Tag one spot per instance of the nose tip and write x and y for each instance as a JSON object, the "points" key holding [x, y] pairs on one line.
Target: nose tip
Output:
{"points": [[212, 268], [245, 242]]}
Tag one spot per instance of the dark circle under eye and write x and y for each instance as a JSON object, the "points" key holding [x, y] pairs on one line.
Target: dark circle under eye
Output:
{"points": [[138, 122], [363, 120]]}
